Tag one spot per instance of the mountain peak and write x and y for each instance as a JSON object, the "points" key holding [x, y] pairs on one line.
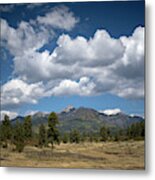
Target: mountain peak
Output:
{"points": [[85, 119], [39, 114], [69, 108]]}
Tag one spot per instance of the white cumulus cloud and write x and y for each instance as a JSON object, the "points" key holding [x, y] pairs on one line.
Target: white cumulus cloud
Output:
{"points": [[16, 92], [132, 63], [67, 87], [31, 36], [100, 50], [23, 39], [110, 111], [76, 66], [59, 17]]}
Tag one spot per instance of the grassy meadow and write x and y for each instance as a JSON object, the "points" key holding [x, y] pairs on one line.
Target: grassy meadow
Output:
{"points": [[101, 155]]}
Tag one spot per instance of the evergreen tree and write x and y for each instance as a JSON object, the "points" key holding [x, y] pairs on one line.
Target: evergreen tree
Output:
{"points": [[1, 136], [136, 131], [42, 136], [65, 138], [120, 135], [83, 137], [19, 136], [53, 133], [6, 130], [27, 128], [142, 124], [74, 136]]}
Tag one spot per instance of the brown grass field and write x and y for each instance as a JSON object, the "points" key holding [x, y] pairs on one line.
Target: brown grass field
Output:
{"points": [[109, 155]]}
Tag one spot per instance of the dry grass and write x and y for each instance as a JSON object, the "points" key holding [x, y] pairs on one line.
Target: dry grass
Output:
{"points": [[110, 155]]}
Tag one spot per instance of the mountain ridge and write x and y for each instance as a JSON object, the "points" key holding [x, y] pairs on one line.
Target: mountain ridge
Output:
{"points": [[84, 119]]}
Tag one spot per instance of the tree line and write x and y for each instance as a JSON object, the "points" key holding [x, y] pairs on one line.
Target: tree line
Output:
{"points": [[21, 134]]}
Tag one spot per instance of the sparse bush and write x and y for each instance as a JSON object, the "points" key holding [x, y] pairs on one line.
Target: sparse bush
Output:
{"points": [[104, 132]]}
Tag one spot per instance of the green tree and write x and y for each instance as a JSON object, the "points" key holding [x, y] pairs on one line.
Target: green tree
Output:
{"points": [[136, 131], [27, 128], [83, 137], [104, 132], [42, 136], [53, 133], [1, 136], [6, 130], [120, 135], [19, 136], [74, 136], [142, 124], [65, 138]]}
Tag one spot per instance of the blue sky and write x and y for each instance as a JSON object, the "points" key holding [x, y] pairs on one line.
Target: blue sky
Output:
{"points": [[84, 54]]}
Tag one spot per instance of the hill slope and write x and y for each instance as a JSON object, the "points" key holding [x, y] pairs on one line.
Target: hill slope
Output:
{"points": [[84, 119]]}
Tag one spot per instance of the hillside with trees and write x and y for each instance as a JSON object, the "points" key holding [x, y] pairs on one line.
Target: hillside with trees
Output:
{"points": [[22, 133]]}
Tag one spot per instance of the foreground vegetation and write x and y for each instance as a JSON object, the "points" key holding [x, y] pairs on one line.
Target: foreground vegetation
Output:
{"points": [[108, 148], [108, 155]]}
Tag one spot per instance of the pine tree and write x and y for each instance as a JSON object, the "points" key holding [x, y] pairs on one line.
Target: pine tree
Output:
{"points": [[136, 131], [53, 133], [1, 135], [74, 136], [27, 128], [142, 124], [42, 136], [65, 138], [83, 137], [6, 130], [19, 136]]}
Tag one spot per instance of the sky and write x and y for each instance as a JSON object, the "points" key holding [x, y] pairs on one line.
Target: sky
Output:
{"points": [[88, 54]]}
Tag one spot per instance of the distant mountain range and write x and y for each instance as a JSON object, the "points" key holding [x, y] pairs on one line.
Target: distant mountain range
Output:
{"points": [[84, 119]]}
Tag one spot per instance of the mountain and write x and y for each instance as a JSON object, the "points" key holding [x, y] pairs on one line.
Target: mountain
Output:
{"points": [[84, 119], [68, 109], [19, 118]]}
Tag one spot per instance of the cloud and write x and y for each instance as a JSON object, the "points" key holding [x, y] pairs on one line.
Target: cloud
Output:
{"points": [[110, 111], [16, 92], [67, 87], [81, 55], [130, 68], [77, 66], [60, 17], [22, 40], [132, 63], [31, 36], [41, 67], [100, 50], [130, 89], [117, 68], [9, 113]]}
